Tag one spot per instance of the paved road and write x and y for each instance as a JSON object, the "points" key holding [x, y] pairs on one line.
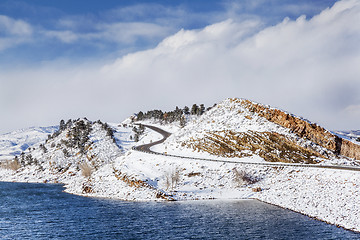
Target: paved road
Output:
{"points": [[146, 149]]}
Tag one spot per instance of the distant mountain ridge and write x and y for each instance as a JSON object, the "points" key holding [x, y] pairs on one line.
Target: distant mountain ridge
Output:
{"points": [[352, 135], [16, 142]]}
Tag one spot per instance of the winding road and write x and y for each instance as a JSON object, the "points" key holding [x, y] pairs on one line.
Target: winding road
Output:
{"points": [[146, 148]]}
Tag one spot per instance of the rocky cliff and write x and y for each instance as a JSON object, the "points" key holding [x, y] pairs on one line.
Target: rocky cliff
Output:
{"points": [[305, 129]]}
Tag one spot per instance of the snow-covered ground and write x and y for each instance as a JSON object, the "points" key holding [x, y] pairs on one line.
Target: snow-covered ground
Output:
{"points": [[13, 143], [329, 195], [326, 194]]}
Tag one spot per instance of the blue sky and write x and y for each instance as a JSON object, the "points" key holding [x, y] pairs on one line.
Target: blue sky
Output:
{"points": [[89, 30], [108, 59]]}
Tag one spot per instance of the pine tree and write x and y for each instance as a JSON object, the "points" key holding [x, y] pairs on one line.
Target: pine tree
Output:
{"points": [[182, 121], [140, 116], [194, 109], [186, 110], [62, 125], [202, 109]]}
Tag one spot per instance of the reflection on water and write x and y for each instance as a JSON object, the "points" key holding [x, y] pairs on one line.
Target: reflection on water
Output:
{"points": [[40, 211]]}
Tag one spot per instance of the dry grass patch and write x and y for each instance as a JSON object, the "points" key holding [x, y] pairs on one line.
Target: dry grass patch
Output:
{"points": [[86, 169], [11, 164]]}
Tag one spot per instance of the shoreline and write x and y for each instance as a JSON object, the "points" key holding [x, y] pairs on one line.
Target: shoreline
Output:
{"points": [[64, 189]]}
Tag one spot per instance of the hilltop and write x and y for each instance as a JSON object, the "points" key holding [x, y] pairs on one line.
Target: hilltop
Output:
{"points": [[239, 128]]}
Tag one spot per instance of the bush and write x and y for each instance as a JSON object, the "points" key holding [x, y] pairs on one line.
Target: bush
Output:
{"points": [[172, 178], [242, 178], [86, 169], [12, 164]]}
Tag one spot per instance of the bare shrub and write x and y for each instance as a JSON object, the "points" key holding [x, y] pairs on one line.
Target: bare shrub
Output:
{"points": [[86, 170], [242, 178], [172, 178], [87, 187], [11, 164], [193, 174], [257, 189]]}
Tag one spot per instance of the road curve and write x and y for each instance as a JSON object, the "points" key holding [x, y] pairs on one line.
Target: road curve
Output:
{"points": [[146, 149]]}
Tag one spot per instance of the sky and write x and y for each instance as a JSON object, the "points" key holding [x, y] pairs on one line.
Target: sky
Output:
{"points": [[109, 59]]}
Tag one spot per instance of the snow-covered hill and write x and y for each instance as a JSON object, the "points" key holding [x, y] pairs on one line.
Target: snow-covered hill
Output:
{"points": [[234, 129], [75, 150], [96, 159], [16, 142]]}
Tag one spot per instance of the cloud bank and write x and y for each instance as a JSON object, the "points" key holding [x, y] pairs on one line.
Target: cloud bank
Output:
{"points": [[309, 67]]}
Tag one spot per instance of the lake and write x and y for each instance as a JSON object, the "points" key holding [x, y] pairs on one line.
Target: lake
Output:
{"points": [[43, 211]]}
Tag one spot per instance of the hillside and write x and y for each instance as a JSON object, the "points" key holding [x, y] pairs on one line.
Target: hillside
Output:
{"points": [[14, 143], [238, 128], [76, 149]]}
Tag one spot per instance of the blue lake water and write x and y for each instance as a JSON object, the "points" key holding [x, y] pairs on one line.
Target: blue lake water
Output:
{"points": [[41, 211]]}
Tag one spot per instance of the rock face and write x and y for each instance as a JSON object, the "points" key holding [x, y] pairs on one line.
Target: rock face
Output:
{"points": [[349, 149], [305, 129], [271, 146]]}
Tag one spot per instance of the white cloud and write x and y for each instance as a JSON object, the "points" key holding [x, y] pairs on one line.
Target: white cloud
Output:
{"points": [[64, 36], [306, 66], [14, 27], [129, 32], [119, 32], [13, 32], [297, 65]]}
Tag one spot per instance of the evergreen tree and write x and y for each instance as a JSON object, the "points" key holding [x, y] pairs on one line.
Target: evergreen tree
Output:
{"points": [[62, 125], [194, 109], [186, 110], [202, 109], [182, 121], [138, 132], [140, 116]]}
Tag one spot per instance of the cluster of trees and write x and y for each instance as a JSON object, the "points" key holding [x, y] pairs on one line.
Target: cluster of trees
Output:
{"points": [[78, 136], [173, 116], [108, 129], [26, 159], [138, 132]]}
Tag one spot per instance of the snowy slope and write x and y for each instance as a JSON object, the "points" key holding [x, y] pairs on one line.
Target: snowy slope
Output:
{"points": [[13, 143], [232, 130]]}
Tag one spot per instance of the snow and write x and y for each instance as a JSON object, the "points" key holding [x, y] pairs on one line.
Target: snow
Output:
{"points": [[230, 115], [13, 143], [121, 173], [352, 136], [328, 195]]}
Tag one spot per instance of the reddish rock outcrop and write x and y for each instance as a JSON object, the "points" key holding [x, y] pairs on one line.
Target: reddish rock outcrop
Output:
{"points": [[349, 149], [305, 129]]}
